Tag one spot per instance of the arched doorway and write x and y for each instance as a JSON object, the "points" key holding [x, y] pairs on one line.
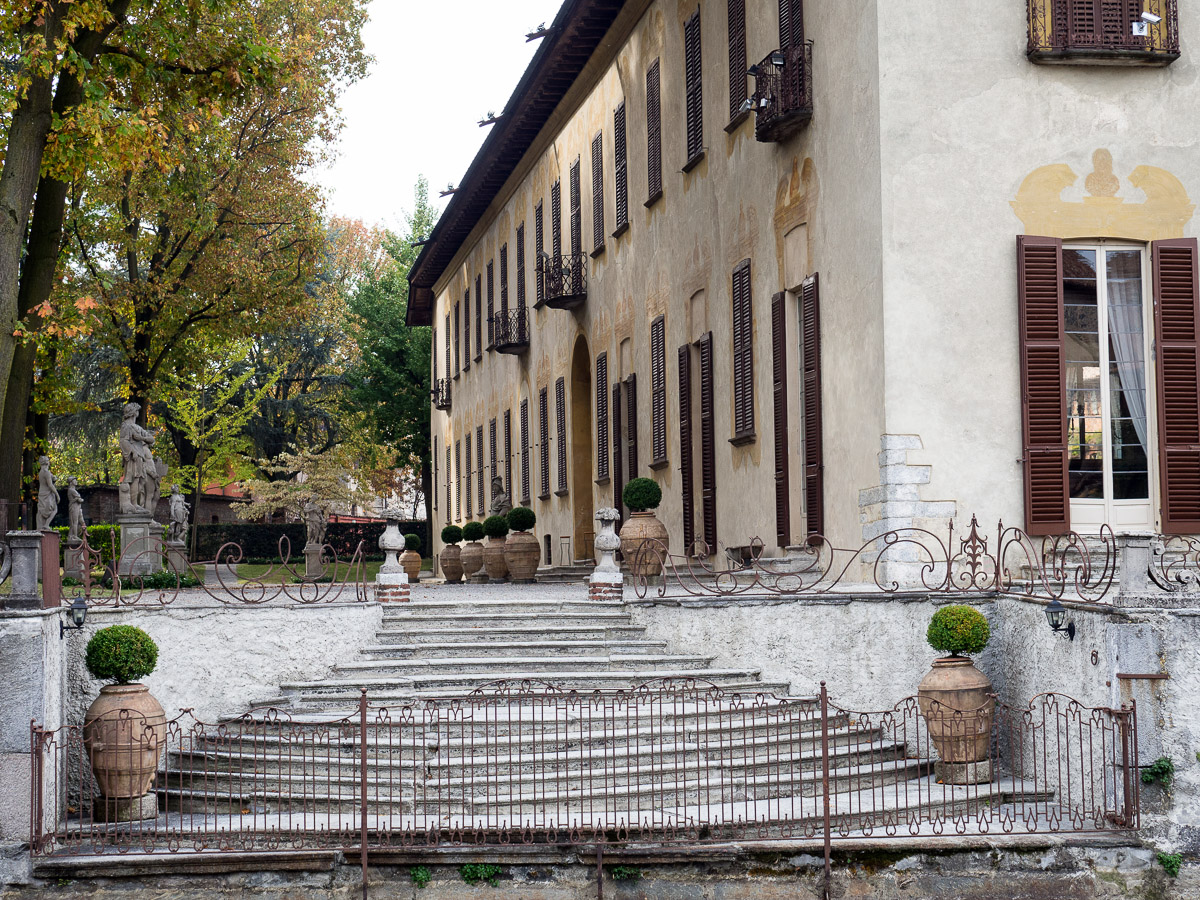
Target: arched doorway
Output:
{"points": [[581, 450]]}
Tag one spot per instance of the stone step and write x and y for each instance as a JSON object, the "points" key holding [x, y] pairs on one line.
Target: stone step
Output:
{"points": [[478, 606], [521, 632], [498, 665], [486, 621], [596, 648]]}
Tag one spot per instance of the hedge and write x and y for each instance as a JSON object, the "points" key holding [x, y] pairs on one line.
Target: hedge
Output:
{"points": [[105, 538], [260, 540]]}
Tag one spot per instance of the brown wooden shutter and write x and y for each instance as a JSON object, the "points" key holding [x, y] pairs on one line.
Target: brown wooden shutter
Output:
{"points": [[458, 480], [526, 449], [783, 500], [620, 169], [1177, 342], [449, 474], [618, 451], [521, 266], [433, 343], [743, 352], [602, 417], [708, 450], [737, 56], [495, 468], [1043, 384], [504, 283], [693, 79], [791, 24], [508, 485], [556, 219], [491, 284], [434, 459], [560, 417], [654, 183], [478, 317], [576, 210], [685, 447], [449, 335], [466, 329], [631, 423], [544, 438], [470, 475], [814, 452], [479, 466], [539, 247], [457, 338], [598, 191], [658, 391]]}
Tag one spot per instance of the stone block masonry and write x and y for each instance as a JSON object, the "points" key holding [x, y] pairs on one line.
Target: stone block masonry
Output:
{"points": [[606, 592]]}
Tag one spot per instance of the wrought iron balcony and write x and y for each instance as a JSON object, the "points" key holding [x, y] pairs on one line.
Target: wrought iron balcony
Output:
{"points": [[565, 279], [783, 94], [1103, 32], [511, 331], [441, 393]]}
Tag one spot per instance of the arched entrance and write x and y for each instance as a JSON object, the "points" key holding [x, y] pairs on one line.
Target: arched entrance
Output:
{"points": [[581, 450]]}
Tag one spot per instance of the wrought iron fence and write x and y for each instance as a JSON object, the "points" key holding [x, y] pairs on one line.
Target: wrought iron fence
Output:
{"points": [[1067, 27], [669, 762], [441, 394], [1175, 565], [903, 560], [783, 92], [565, 278], [510, 329]]}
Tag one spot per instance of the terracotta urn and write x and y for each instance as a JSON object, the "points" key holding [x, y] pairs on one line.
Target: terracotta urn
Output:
{"points": [[493, 559], [522, 554], [410, 560], [452, 566], [642, 528], [472, 560], [124, 731], [958, 707]]}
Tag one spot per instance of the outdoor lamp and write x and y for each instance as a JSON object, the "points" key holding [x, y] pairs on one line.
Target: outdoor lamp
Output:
{"points": [[746, 106], [777, 59], [1151, 18], [753, 70], [1056, 615], [78, 613]]}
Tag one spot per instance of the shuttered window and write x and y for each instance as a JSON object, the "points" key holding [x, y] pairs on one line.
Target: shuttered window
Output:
{"points": [[449, 333], [504, 282], [521, 266], [598, 193], [576, 210], [491, 309], [478, 317], [631, 423], [1043, 384], [737, 57], [556, 219], [544, 439], [539, 247], [470, 475], [620, 171], [433, 342], [479, 467], [457, 339], [694, 96], [434, 459], [685, 448], [560, 432], [458, 472], [658, 392], [602, 417], [743, 355], [495, 466], [708, 450], [791, 24], [466, 329], [1177, 340], [508, 485], [779, 408], [814, 459], [526, 449], [449, 473], [654, 182], [618, 451]]}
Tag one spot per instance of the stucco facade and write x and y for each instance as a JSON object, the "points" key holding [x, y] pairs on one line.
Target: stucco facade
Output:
{"points": [[932, 145]]}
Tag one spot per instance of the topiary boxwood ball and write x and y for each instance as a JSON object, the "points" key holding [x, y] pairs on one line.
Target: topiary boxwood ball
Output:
{"points": [[122, 654], [642, 494], [958, 630], [521, 518], [451, 534], [473, 531], [412, 542], [495, 526]]}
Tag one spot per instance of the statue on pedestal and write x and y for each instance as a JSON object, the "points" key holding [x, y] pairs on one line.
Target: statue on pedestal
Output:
{"points": [[177, 530], [143, 473], [47, 498], [314, 523], [501, 504], [75, 513]]}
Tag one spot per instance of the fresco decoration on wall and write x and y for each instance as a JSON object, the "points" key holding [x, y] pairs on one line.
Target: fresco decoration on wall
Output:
{"points": [[1039, 203]]}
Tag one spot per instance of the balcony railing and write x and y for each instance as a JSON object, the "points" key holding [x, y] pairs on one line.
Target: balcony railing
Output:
{"points": [[1104, 32], [441, 393], [565, 279], [783, 94], [511, 331]]}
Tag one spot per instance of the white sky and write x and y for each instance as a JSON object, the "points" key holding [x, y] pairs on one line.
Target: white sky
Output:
{"points": [[439, 67]]}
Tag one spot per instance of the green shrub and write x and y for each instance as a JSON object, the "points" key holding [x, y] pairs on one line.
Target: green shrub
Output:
{"points": [[160, 581], [473, 873], [451, 534], [642, 494], [1161, 770], [421, 875], [412, 542], [495, 526], [472, 531], [625, 873], [1171, 862], [958, 630], [103, 538], [521, 518], [121, 653]]}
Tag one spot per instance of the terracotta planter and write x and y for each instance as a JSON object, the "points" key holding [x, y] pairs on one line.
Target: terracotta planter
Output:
{"points": [[451, 560], [411, 561], [638, 529], [493, 560], [522, 554], [124, 731], [956, 702], [472, 559]]}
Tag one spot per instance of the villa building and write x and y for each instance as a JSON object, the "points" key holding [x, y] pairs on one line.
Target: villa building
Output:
{"points": [[828, 268]]}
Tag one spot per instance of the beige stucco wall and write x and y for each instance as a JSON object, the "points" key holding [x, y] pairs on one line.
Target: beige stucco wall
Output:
{"points": [[677, 259]]}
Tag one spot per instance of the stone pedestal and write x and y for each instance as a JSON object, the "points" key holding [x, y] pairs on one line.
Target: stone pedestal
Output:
{"points": [[312, 562], [606, 586], [125, 809], [177, 558], [74, 561], [141, 545], [24, 548], [606, 581], [220, 574], [963, 773], [391, 587]]}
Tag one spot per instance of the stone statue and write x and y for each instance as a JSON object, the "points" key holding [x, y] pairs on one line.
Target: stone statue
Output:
{"points": [[501, 505], [177, 530], [75, 513], [47, 498], [142, 472], [314, 523]]}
